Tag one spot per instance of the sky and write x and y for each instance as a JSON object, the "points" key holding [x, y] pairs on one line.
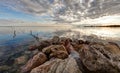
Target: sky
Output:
{"points": [[7, 13], [16, 10], [46, 11]]}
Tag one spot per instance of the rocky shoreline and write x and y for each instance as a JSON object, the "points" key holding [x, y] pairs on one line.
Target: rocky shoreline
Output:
{"points": [[65, 55]]}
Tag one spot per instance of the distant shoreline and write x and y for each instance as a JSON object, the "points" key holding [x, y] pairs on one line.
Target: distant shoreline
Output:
{"points": [[104, 26]]}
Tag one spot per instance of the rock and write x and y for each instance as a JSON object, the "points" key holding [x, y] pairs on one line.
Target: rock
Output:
{"points": [[35, 52], [71, 66], [41, 45], [4, 68], [47, 50], [57, 51], [64, 40], [75, 56], [37, 60], [68, 65], [55, 40], [21, 60], [87, 42], [44, 68], [113, 48], [76, 46], [44, 44], [98, 60], [31, 48]]}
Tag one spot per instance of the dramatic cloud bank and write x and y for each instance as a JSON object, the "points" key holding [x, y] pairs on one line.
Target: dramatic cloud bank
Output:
{"points": [[65, 10]]}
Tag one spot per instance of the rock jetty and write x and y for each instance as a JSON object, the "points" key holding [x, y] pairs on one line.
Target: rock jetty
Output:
{"points": [[65, 55]]}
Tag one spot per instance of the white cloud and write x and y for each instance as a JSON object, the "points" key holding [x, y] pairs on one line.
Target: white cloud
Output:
{"points": [[66, 10]]}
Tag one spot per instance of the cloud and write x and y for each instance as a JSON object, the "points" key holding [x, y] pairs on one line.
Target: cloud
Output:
{"points": [[28, 6], [65, 10]]}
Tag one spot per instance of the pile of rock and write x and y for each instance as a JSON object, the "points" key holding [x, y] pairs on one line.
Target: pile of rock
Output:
{"points": [[65, 55]]}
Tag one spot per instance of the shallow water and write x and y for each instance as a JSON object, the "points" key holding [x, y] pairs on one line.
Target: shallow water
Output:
{"points": [[14, 35]]}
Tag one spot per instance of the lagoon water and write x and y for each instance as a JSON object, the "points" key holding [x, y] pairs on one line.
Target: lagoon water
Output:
{"points": [[17, 35]]}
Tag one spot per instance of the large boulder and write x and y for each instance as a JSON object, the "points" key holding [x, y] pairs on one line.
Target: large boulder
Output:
{"points": [[68, 65], [41, 45], [98, 60], [57, 51], [37, 60]]}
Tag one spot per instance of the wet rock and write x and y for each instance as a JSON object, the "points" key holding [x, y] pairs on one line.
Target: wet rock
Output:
{"points": [[98, 60], [37, 60], [57, 51], [68, 65]]}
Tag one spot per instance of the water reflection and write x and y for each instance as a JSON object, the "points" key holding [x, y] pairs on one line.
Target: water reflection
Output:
{"points": [[101, 32], [34, 36], [14, 34]]}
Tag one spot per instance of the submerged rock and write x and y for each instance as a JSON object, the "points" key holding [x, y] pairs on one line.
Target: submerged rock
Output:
{"points": [[21, 60], [31, 48], [4, 68]]}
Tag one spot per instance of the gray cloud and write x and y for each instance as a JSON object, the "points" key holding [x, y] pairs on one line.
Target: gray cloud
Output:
{"points": [[65, 10]]}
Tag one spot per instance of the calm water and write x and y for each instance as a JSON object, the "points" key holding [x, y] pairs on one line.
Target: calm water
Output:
{"points": [[16, 35], [10, 36]]}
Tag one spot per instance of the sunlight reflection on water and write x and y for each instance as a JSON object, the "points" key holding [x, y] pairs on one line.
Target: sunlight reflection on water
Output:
{"points": [[100, 31]]}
